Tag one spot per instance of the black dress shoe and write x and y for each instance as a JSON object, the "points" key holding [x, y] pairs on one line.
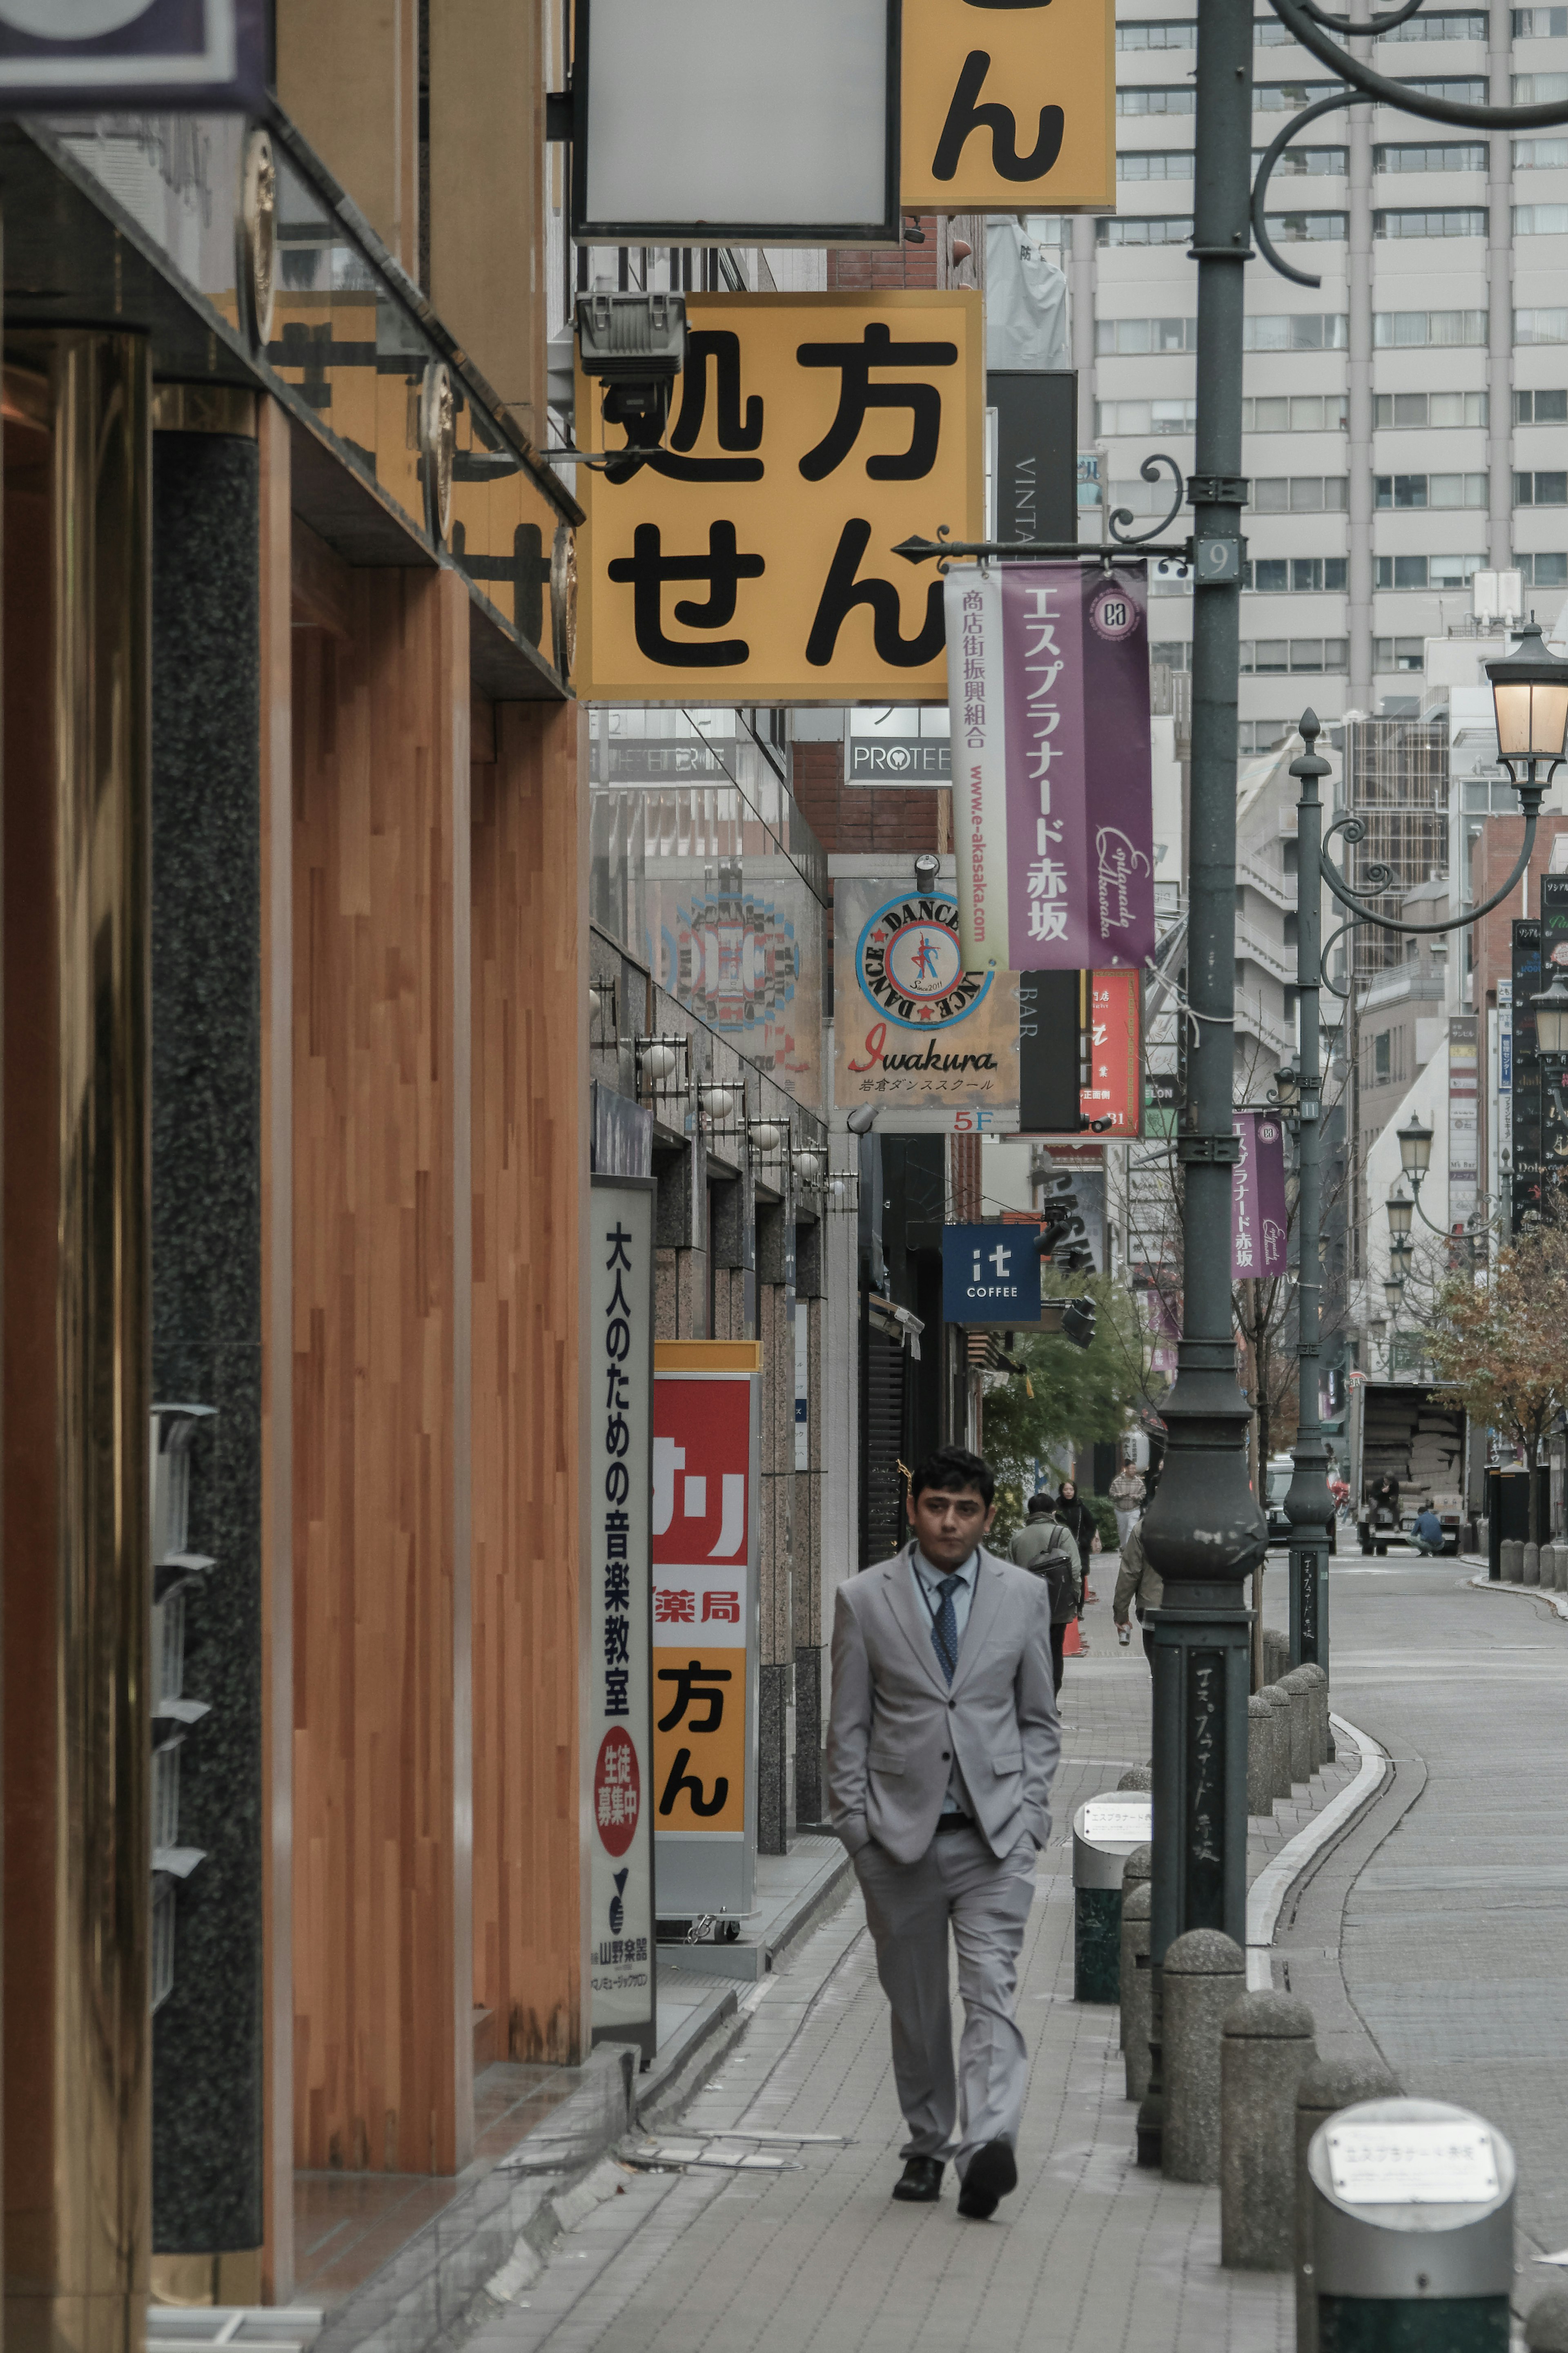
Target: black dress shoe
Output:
{"points": [[920, 2184], [992, 2172]]}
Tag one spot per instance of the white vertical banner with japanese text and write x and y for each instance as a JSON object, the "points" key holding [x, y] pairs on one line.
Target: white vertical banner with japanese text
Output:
{"points": [[1047, 681], [622, 1952]]}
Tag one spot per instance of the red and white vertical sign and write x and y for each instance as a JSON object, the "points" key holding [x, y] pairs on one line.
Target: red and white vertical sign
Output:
{"points": [[622, 1952], [1115, 1087]]}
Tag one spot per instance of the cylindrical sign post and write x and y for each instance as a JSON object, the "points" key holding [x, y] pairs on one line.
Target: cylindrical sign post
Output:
{"points": [[1412, 2228], [1105, 1830]]}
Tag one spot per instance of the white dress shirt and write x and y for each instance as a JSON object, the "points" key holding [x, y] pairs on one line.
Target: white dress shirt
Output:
{"points": [[928, 1586]]}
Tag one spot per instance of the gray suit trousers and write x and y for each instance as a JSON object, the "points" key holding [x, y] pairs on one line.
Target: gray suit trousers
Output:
{"points": [[909, 1907]]}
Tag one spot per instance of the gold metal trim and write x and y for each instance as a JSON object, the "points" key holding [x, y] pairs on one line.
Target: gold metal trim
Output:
{"points": [[204, 408]]}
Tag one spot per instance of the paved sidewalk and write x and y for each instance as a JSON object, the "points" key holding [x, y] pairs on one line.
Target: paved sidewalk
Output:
{"points": [[1089, 2254]]}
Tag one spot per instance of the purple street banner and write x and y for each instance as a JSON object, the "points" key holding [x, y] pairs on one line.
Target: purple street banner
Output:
{"points": [[1257, 1216], [1047, 681]]}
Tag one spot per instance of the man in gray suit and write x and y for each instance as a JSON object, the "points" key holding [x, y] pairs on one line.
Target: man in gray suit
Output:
{"points": [[940, 1748]]}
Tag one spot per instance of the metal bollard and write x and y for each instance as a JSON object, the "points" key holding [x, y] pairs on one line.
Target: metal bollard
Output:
{"points": [[1203, 1974], [1412, 2228], [1266, 2048], [1531, 1572], [1546, 2330], [1259, 1757], [1137, 1777], [1298, 1687], [1105, 1831], [1137, 1906], [1328, 2086], [1136, 1872], [1278, 1699], [1512, 1561]]}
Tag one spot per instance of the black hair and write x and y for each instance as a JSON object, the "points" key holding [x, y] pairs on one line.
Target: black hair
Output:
{"points": [[951, 1469], [1043, 1501]]}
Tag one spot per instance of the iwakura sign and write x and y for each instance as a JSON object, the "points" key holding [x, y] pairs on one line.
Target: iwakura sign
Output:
{"points": [[913, 1031], [750, 559]]}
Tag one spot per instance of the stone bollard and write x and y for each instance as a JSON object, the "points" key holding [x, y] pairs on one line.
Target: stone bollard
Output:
{"points": [[1549, 1565], [1531, 1572], [1204, 1973], [1137, 1906], [1512, 1561], [1266, 2048], [1280, 1704], [1319, 1698], [1328, 2085], [1137, 1777], [1136, 1872], [1276, 1655], [1298, 1689], [1546, 2330], [1259, 1757]]}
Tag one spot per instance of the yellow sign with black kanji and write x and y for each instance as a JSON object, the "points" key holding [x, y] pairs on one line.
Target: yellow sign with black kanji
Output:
{"points": [[1009, 106], [749, 559]]}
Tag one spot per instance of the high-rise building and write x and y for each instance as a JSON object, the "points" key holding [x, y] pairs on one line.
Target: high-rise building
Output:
{"points": [[1405, 420]]}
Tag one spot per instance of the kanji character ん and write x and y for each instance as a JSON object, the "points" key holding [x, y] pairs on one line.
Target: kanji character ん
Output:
{"points": [[843, 592], [682, 1778]]}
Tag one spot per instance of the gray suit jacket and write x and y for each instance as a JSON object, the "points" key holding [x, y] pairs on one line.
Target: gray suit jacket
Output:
{"points": [[895, 1725]]}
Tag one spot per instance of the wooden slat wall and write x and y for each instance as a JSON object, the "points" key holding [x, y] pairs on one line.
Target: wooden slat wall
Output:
{"points": [[383, 1969], [530, 1161]]}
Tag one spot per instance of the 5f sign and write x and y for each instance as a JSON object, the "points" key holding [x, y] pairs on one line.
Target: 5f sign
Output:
{"points": [[1009, 106]]}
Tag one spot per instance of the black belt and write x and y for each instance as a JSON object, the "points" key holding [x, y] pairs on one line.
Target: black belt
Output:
{"points": [[953, 1822]]}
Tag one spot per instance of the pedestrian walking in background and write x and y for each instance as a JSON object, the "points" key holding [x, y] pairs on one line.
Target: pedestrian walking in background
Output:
{"points": [[1126, 1501], [1139, 1585], [1046, 1548], [1079, 1520], [941, 1746]]}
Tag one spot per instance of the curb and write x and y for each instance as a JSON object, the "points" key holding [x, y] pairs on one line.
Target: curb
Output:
{"points": [[1546, 1593], [1265, 1896]]}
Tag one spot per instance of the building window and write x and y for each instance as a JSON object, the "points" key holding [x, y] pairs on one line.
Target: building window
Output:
{"points": [[1540, 489], [1307, 163], [1412, 329], [1283, 657], [1429, 489], [1543, 571], [1464, 89], [1300, 494], [1447, 155], [1383, 1058], [1540, 220], [1451, 221], [1178, 99], [1309, 229], [1541, 24], [1269, 33], [1146, 228], [1298, 330], [1175, 653], [1540, 89], [1427, 571], [1132, 338], [1398, 653], [1300, 412], [1541, 326], [1442, 24], [1139, 418], [1298, 575], [1541, 154], [1286, 97], [1163, 32], [1254, 735], [1154, 163], [1424, 408], [1540, 408]]}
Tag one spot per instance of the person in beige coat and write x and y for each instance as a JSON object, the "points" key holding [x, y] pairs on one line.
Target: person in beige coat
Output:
{"points": [[1140, 1586], [943, 1743]]}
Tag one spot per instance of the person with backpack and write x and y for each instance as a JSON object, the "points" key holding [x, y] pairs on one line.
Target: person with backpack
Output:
{"points": [[1047, 1548]]}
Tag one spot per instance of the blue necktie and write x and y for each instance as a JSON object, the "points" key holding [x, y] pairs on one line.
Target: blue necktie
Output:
{"points": [[945, 1628]]}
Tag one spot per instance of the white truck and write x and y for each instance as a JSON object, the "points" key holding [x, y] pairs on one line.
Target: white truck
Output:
{"points": [[1407, 1450]]}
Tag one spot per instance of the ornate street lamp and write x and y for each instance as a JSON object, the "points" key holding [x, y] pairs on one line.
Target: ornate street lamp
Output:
{"points": [[1399, 1213], [1550, 1009], [1393, 1292], [1530, 697], [1415, 1151]]}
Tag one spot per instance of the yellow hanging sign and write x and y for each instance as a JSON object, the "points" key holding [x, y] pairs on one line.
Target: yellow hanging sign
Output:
{"points": [[749, 558], [1009, 106]]}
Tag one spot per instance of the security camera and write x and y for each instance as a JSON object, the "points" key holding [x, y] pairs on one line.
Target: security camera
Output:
{"points": [[860, 1119], [635, 344], [1077, 1322], [927, 868]]}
